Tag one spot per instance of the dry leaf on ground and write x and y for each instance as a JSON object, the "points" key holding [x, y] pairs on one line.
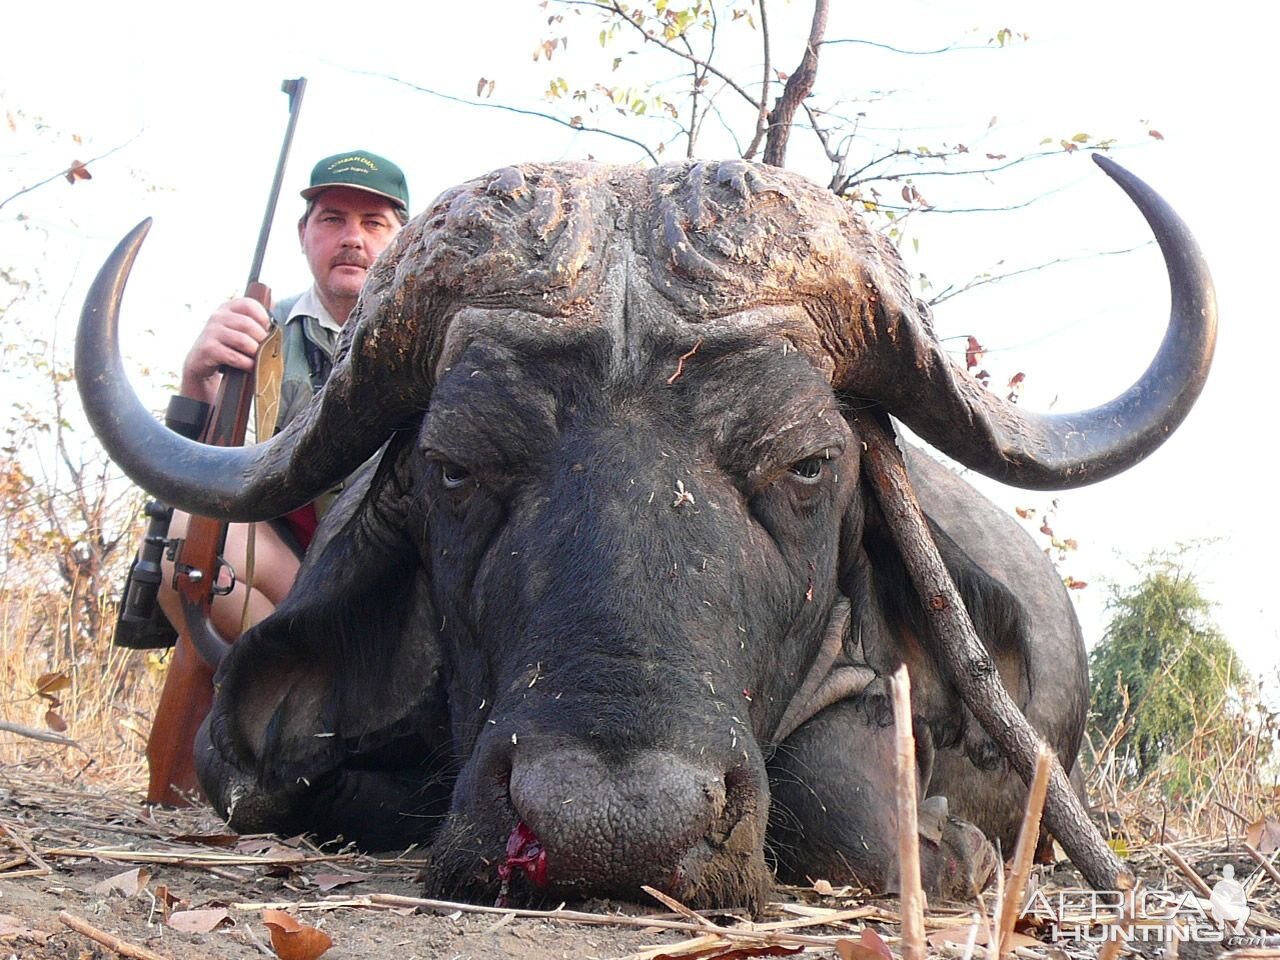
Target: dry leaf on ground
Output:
{"points": [[869, 946], [199, 921], [293, 940], [128, 883], [329, 881]]}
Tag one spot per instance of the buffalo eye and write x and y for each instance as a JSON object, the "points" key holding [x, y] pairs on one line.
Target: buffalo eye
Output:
{"points": [[808, 470], [454, 476]]}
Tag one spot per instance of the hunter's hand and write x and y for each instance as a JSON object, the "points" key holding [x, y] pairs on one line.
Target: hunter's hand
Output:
{"points": [[230, 339]]}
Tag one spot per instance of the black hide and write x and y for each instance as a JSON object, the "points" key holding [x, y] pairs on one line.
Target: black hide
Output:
{"points": [[612, 574]]}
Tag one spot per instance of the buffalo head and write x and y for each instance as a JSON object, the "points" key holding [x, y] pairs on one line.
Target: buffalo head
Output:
{"points": [[616, 584]]}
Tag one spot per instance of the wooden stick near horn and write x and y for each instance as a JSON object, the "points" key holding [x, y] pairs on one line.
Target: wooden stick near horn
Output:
{"points": [[971, 666]]}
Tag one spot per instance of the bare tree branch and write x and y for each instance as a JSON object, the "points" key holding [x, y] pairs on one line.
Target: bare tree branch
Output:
{"points": [[713, 109], [65, 172], [898, 208], [970, 171], [693, 105], [510, 109], [762, 116], [970, 664], [954, 291], [699, 78], [836, 158], [950, 48], [616, 8], [46, 736], [799, 85]]}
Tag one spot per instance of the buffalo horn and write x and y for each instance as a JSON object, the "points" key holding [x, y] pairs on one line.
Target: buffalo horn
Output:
{"points": [[1059, 451], [229, 483]]}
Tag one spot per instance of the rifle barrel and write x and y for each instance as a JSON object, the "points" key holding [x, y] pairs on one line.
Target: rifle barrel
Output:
{"points": [[295, 89]]}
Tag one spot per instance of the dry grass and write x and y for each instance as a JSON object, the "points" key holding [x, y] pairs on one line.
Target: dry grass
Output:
{"points": [[106, 701], [1216, 783]]}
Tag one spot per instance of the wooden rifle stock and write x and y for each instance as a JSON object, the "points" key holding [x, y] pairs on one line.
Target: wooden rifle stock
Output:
{"points": [[188, 687]]}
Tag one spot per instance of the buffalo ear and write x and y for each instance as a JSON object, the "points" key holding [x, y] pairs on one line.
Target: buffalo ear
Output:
{"points": [[351, 660], [890, 622], [997, 614]]}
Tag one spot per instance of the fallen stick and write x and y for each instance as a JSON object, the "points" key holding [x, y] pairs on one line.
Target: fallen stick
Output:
{"points": [[338, 903], [970, 664], [695, 947], [909, 891], [1193, 878], [1262, 861], [39, 867], [253, 938], [1256, 917], [1263, 921], [32, 733], [113, 943], [769, 936], [193, 858], [673, 904]]}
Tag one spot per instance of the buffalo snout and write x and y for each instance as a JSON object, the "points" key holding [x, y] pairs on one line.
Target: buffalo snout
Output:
{"points": [[584, 820], [632, 821]]}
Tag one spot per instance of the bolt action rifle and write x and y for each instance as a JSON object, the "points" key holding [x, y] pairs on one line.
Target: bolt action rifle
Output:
{"points": [[198, 562]]}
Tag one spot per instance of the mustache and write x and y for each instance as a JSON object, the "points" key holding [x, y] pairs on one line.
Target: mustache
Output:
{"points": [[352, 259]]}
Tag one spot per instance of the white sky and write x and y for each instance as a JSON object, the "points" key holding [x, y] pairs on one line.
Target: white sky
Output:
{"points": [[195, 96]]}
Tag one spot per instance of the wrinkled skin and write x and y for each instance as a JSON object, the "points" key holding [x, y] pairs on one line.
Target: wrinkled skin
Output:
{"points": [[617, 607]]}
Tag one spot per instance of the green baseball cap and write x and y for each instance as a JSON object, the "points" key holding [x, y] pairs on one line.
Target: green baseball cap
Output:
{"points": [[363, 171]]}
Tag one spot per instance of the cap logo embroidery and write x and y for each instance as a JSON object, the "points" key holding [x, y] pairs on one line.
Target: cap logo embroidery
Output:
{"points": [[352, 162]]}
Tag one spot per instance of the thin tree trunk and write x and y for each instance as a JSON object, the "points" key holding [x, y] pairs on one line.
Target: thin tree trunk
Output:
{"points": [[799, 85]]}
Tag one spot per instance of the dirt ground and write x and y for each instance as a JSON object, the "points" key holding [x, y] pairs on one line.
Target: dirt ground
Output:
{"points": [[159, 880], [59, 842]]}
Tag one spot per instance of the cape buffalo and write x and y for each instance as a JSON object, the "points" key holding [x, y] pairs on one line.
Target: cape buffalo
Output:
{"points": [[615, 607]]}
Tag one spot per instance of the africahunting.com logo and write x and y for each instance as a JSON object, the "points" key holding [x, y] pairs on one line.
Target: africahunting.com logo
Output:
{"points": [[1146, 915]]}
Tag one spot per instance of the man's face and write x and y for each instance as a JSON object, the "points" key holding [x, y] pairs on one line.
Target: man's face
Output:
{"points": [[344, 234]]}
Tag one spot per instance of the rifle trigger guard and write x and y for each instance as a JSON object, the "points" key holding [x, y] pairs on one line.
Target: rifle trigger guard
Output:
{"points": [[218, 589]]}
